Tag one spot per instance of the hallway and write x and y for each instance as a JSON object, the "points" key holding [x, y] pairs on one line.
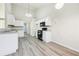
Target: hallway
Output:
{"points": [[30, 46]]}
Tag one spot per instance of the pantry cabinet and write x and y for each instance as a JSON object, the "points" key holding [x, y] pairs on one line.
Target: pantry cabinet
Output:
{"points": [[2, 10]]}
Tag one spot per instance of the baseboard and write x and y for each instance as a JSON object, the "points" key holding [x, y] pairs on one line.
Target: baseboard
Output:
{"points": [[66, 46]]}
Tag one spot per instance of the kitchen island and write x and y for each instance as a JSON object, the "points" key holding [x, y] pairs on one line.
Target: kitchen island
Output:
{"points": [[8, 42]]}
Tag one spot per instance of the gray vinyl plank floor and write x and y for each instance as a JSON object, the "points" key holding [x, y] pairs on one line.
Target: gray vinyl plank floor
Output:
{"points": [[30, 46]]}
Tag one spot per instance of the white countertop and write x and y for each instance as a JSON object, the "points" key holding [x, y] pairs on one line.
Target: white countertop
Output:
{"points": [[2, 31]]}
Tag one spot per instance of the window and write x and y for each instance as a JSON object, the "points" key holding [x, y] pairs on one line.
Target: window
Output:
{"points": [[2, 24]]}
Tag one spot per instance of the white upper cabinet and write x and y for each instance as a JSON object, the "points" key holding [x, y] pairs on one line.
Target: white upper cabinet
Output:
{"points": [[2, 10]]}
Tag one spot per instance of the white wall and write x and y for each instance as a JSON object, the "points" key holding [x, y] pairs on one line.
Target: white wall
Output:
{"points": [[8, 8], [65, 24], [2, 10], [45, 11], [8, 11]]}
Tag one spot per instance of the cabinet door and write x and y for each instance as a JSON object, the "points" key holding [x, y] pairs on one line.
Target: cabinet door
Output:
{"points": [[47, 36], [2, 10]]}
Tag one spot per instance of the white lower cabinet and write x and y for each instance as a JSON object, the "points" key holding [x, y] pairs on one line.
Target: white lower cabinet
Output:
{"points": [[47, 36]]}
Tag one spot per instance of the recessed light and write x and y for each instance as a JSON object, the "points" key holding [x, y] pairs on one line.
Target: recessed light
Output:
{"points": [[59, 5]]}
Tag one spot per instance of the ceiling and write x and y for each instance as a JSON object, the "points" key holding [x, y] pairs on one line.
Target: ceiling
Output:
{"points": [[32, 5]]}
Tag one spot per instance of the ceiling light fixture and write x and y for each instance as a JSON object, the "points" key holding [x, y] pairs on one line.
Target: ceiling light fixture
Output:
{"points": [[28, 14], [59, 5]]}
